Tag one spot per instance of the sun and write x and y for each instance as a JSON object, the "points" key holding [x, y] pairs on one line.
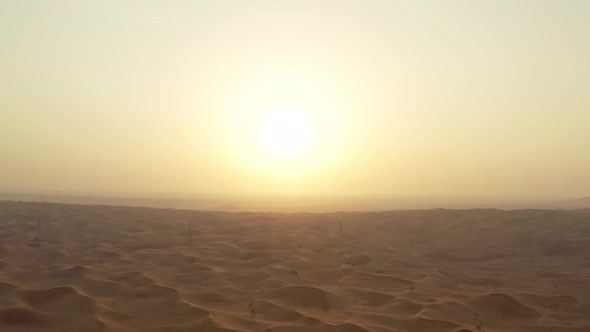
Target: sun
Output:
{"points": [[286, 132]]}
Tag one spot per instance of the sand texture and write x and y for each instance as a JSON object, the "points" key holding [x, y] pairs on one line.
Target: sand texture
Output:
{"points": [[102, 268]]}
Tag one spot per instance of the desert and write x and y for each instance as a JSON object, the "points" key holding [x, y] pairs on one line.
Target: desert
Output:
{"points": [[67, 267], [294, 166]]}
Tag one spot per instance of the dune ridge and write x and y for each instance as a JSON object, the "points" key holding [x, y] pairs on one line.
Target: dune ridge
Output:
{"points": [[109, 268]]}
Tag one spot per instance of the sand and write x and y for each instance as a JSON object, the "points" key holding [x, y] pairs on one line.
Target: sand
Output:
{"points": [[101, 268]]}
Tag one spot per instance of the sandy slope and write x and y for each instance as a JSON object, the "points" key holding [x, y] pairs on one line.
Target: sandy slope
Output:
{"points": [[100, 268]]}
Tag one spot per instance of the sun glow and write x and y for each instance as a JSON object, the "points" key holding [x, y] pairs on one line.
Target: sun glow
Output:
{"points": [[285, 125], [286, 132]]}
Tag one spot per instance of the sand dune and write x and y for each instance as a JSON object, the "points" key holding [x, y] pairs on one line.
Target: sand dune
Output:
{"points": [[105, 268]]}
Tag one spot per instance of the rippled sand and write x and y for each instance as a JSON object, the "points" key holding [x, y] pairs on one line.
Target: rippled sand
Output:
{"points": [[101, 268]]}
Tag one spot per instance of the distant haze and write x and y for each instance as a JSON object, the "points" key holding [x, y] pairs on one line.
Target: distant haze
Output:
{"points": [[277, 203], [406, 98]]}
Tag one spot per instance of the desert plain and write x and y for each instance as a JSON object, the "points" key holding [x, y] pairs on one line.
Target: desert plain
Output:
{"points": [[90, 268]]}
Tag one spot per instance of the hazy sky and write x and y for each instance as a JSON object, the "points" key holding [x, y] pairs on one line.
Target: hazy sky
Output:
{"points": [[436, 98]]}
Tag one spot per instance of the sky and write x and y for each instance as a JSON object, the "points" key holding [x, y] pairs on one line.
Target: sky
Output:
{"points": [[467, 98]]}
